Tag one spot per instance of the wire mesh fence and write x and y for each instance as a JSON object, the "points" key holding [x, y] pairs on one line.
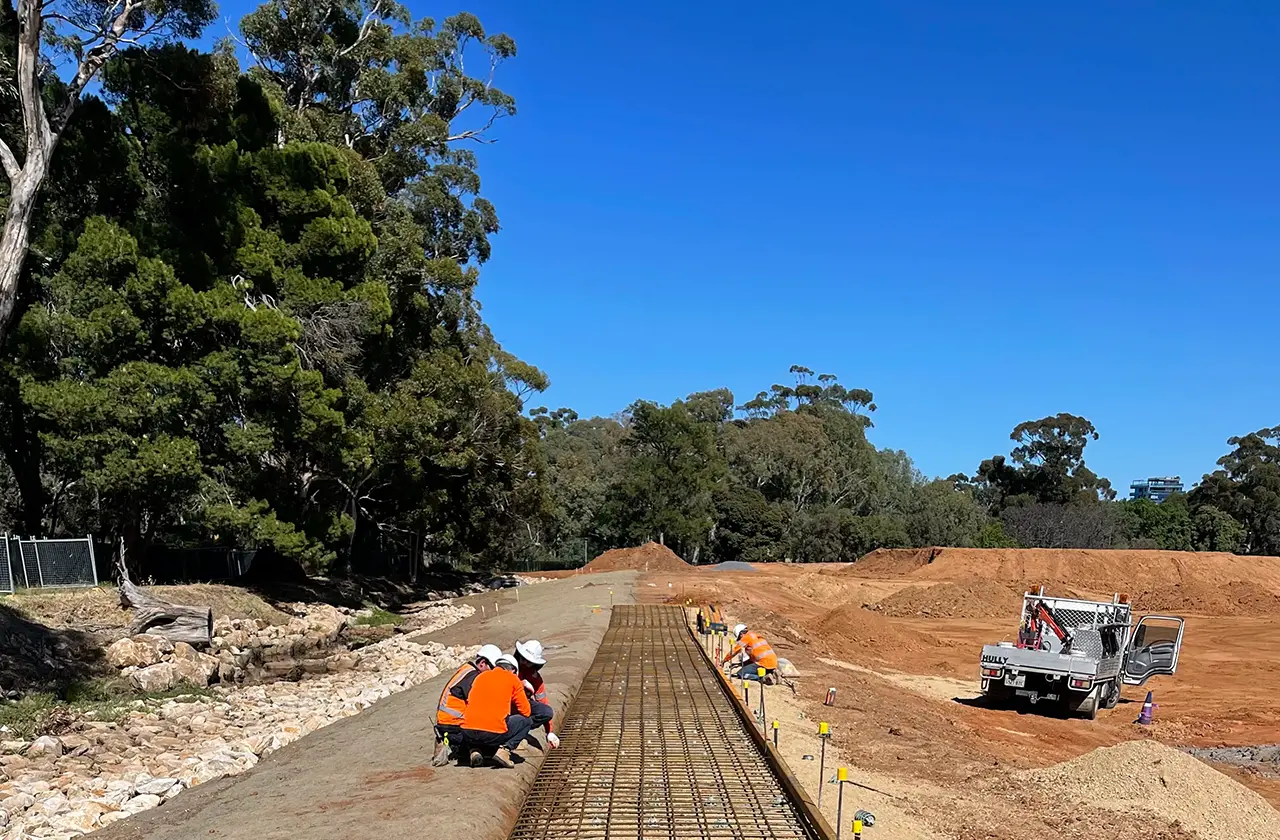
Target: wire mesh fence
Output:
{"points": [[6, 572], [49, 564]]}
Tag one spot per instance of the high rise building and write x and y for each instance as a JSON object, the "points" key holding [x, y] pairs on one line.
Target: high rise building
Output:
{"points": [[1156, 489]]}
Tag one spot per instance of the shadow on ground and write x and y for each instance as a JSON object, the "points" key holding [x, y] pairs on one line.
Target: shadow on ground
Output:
{"points": [[34, 657]]}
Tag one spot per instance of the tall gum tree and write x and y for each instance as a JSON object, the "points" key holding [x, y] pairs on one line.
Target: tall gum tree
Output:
{"points": [[50, 35]]}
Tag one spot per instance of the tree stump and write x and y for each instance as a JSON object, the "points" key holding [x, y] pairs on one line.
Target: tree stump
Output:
{"points": [[175, 622]]}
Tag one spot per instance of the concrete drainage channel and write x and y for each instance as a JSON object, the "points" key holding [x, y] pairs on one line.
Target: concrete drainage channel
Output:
{"points": [[656, 746]]}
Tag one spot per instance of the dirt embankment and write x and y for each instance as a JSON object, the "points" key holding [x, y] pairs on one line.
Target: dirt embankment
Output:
{"points": [[953, 600], [650, 557], [1204, 583]]}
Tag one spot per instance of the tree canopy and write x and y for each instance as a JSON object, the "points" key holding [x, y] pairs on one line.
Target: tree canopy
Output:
{"points": [[238, 309]]}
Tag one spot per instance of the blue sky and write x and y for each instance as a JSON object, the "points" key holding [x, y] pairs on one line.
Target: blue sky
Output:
{"points": [[982, 212]]}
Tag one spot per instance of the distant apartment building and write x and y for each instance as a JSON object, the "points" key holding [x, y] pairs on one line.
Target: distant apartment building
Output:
{"points": [[1155, 489]]}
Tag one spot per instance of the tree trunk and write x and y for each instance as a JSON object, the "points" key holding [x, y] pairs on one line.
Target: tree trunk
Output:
{"points": [[175, 622], [16, 236]]}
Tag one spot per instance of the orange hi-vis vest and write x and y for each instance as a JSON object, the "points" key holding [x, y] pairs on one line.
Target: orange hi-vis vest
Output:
{"points": [[757, 649], [453, 706], [495, 694]]}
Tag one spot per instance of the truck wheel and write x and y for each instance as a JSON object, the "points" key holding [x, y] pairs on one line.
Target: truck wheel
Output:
{"points": [[1087, 707], [998, 696], [1112, 695]]}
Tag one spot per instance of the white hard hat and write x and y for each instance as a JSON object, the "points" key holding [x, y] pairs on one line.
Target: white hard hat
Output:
{"points": [[507, 659], [489, 653], [739, 629], [532, 651]]}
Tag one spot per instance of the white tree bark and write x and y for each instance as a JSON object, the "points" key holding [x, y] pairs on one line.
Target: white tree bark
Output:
{"points": [[40, 136]]}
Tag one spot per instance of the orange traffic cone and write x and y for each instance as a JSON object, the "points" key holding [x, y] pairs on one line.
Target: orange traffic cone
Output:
{"points": [[1147, 708]]}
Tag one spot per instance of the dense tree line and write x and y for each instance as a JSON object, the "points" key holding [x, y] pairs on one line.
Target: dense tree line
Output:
{"points": [[790, 475], [247, 313], [237, 308]]}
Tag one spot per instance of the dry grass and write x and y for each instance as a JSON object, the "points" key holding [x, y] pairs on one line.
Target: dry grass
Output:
{"points": [[99, 608]]}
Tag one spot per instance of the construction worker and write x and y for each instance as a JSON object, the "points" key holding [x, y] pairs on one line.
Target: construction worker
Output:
{"points": [[531, 658], [497, 718], [453, 702], [757, 653]]}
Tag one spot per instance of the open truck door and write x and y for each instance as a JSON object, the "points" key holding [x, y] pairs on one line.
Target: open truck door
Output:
{"points": [[1153, 648]]}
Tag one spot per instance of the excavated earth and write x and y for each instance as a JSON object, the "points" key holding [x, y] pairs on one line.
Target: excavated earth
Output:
{"points": [[898, 635]]}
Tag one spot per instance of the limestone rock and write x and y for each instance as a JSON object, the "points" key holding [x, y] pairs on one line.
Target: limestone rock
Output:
{"points": [[17, 803], [45, 745], [158, 677], [154, 786], [140, 803], [127, 653]]}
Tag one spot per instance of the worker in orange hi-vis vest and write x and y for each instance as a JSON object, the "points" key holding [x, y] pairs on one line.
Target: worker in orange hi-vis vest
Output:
{"points": [[757, 654], [497, 717], [453, 702]]}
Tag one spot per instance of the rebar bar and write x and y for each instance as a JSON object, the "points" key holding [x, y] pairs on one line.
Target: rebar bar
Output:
{"points": [[652, 747]]}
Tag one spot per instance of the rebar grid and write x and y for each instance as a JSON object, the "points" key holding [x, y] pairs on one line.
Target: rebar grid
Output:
{"points": [[653, 748]]}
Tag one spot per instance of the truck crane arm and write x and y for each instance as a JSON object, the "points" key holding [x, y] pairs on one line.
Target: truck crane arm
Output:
{"points": [[1040, 617]]}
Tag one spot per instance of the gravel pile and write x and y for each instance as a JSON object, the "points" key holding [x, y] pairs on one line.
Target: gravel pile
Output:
{"points": [[1166, 781]]}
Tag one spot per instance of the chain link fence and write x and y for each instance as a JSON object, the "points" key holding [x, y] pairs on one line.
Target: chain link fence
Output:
{"points": [[47, 564]]}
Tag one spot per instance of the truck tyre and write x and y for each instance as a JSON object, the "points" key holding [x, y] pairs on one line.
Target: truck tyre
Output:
{"points": [[1086, 707], [998, 696], [1111, 696]]}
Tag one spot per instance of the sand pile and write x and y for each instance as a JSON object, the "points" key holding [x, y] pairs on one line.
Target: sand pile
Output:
{"points": [[649, 557], [851, 625], [1170, 783], [953, 600]]}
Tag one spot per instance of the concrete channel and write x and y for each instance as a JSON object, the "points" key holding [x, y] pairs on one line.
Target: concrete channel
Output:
{"points": [[656, 745]]}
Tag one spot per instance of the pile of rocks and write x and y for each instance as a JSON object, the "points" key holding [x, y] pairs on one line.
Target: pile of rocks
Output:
{"points": [[100, 772]]}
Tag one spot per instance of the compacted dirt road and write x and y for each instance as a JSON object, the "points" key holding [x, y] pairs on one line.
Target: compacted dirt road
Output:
{"points": [[371, 775]]}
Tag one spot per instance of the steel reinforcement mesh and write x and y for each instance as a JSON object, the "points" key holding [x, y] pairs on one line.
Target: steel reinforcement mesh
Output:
{"points": [[652, 748]]}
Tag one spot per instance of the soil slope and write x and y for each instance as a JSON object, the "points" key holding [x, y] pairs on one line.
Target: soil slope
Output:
{"points": [[649, 557]]}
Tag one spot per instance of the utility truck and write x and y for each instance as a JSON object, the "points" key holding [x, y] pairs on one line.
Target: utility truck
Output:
{"points": [[1078, 654]]}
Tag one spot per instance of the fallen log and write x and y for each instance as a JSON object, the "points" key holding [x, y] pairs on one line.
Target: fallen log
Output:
{"points": [[175, 622]]}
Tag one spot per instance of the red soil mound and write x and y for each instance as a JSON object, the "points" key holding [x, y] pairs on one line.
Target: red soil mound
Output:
{"points": [[1195, 582], [953, 600], [649, 557], [852, 626]]}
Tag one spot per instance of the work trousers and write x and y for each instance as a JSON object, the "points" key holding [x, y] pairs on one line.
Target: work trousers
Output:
{"points": [[518, 728], [749, 672], [541, 714], [452, 730]]}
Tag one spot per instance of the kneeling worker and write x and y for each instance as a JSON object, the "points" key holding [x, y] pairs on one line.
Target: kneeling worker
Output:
{"points": [[497, 718], [757, 654], [453, 702], [531, 658]]}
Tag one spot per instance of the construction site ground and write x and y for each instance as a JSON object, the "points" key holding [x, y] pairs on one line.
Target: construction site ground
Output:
{"points": [[371, 775], [899, 639]]}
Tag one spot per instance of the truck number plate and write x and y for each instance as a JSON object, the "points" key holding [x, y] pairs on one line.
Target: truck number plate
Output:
{"points": [[1017, 682]]}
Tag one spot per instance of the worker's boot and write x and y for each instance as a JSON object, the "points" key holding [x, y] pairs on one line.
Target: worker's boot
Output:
{"points": [[477, 758], [503, 757], [441, 758]]}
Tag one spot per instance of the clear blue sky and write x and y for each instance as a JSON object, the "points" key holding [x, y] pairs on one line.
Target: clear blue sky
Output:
{"points": [[983, 212]]}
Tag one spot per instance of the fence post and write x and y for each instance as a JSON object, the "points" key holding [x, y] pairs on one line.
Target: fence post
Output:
{"points": [[26, 579], [35, 546], [93, 560]]}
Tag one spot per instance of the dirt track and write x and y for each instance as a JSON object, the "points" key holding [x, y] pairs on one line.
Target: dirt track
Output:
{"points": [[370, 775], [906, 685]]}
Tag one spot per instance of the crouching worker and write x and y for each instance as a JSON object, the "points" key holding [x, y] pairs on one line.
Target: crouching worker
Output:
{"points": [[453, 702], [497, 718], [530, 657], [757, 654]]}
